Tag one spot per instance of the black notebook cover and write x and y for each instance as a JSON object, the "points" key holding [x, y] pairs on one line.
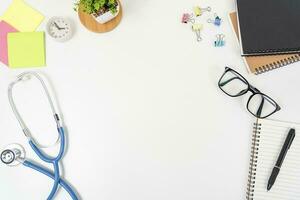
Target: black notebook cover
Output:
{"points": [[269, 26]]}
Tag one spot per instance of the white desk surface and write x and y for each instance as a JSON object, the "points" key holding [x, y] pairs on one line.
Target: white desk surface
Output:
{"points": [[145, 117]]}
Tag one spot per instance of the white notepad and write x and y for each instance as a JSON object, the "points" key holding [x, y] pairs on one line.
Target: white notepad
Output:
{"points": [[268, 139]]}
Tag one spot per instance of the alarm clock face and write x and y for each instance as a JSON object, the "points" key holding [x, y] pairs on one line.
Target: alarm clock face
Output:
{"points": [[59, 29]]}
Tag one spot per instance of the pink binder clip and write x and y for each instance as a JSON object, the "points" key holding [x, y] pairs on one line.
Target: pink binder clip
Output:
{"points": [[187, 18]]}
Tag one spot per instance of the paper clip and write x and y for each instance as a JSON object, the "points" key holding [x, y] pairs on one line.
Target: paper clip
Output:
{"points": [[186, 17], [220, 42], [197, 29], [216, 21], [199, 11]]}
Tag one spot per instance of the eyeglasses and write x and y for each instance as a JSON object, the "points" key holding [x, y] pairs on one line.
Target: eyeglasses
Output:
{"points": [[234, 85]]}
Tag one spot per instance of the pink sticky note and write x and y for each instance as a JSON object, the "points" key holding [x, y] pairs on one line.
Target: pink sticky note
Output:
{"points": [[5, 28]]}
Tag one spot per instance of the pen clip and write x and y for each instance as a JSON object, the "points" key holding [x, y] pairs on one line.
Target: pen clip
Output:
{"points": [[293, 132]]}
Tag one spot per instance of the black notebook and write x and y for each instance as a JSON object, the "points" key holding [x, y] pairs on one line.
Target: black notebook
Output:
{"points": [[269, 26]]}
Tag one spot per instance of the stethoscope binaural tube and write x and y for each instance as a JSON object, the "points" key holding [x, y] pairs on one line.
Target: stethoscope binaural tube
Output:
{"points": [[24, 77]]}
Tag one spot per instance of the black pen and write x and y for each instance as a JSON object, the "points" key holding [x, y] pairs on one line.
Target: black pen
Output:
{"points": [[287, 144]]}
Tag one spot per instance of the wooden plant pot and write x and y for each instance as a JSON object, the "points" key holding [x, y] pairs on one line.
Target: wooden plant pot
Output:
{"points": [[99, 25]]}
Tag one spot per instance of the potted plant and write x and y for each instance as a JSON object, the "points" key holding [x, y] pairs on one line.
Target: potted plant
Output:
{"points": [[102, 10]]}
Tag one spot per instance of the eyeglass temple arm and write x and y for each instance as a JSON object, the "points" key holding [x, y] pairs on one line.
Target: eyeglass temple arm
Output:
{"points": [[258, 113]]}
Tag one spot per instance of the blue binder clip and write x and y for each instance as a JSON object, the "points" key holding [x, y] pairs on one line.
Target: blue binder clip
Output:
{"points": [[217, 21], [220, 42]]}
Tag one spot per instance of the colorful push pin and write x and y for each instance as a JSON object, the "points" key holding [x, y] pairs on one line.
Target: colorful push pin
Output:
{"points": [[220, 42], [216, 21], [197, 29], [187, 18], [199, 11]]}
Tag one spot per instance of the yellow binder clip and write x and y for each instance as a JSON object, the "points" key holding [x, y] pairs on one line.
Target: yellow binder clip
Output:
{"points": [[197, 29], [199, 11]]}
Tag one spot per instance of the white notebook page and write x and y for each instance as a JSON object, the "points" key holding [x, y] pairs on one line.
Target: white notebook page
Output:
{"points": [[272, 138]]}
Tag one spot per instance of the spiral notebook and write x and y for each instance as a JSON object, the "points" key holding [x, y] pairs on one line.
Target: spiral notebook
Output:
{"points": [[267, 141], [261, 64]]}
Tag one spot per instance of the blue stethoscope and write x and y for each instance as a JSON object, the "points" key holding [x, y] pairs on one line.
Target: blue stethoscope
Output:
{"points": [[14, 154]]}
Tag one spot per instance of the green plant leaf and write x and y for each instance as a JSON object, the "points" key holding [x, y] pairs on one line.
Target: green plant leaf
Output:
{"points": [[93, 6], [97, 6], [111, 2], [102, 3], [113, 10]]}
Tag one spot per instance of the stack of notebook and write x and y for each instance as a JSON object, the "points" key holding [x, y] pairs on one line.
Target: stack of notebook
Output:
{"points": [[20, 45], [268, 33]]}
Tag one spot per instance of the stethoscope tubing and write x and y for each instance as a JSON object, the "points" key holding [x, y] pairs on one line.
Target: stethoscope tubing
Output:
{"points": [[46, 172], [46, 158], [54, 161]]}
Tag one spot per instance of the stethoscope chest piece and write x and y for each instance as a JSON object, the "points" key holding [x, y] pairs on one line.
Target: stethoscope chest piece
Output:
{"points": [[13, 155]]}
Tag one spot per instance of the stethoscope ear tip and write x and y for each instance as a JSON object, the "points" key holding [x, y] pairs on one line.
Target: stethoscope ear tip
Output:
{"points": [[13, 155]]}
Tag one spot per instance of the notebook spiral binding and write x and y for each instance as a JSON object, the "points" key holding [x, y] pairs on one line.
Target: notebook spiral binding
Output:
{"points": [[253, 160], [277, 64]]}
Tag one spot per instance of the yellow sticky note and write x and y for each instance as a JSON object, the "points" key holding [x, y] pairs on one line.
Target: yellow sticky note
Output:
{"points": [[26, 49], [22, 16]]}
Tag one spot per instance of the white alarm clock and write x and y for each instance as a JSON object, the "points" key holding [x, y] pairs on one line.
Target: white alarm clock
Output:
{"points": [[59, 29]]}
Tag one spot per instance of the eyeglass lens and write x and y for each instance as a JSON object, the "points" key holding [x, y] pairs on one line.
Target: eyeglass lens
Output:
{"points": [[261, 106], [233, 84]]}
